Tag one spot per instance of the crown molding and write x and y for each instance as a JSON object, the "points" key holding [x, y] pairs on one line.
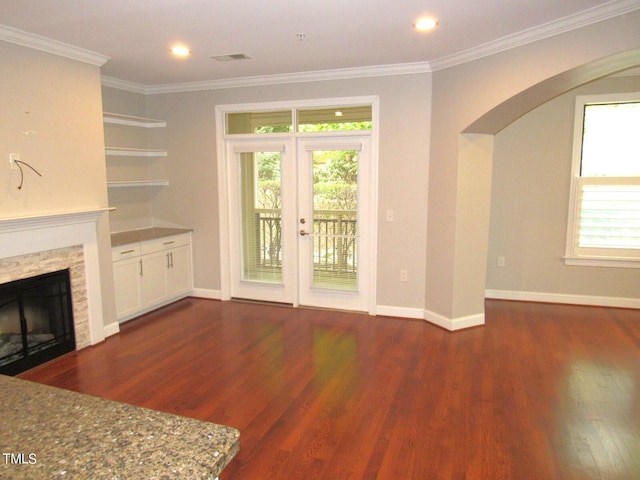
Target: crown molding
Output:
{"points": [[557, 27], [298, 77], [123, 85], [588, 17], [25, 39], [315, 76]]}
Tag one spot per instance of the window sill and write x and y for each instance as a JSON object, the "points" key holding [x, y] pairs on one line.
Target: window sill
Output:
{"points": [[614, 262]]}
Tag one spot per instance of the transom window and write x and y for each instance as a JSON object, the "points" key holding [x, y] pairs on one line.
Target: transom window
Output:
{"points": [[333, 119], [604, 217]]}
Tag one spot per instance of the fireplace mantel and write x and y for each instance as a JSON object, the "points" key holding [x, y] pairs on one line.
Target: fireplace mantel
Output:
{"points": [[34, 221], [35, 233]]}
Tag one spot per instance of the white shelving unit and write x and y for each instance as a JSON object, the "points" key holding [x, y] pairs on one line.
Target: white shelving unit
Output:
{"points": [[110, 118], [138, 183], [134, 152]]}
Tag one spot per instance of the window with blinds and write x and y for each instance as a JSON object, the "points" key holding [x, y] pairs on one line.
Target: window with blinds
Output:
{"points": [[261, 215], [604, 221]]}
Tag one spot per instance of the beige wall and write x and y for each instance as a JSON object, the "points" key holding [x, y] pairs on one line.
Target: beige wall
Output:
{"points": [[63, 101], [422, 164], [65, 142], [463, 94], [191, 200], [530, 202]]}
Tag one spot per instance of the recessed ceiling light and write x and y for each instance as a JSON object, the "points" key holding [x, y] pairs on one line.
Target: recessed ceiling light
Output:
{"points": [[425, 23], [180, 51]]}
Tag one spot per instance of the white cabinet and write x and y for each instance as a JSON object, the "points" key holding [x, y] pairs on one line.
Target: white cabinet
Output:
{"points": [[149, 274], [154, 281], [127, 279], [179, 277]]}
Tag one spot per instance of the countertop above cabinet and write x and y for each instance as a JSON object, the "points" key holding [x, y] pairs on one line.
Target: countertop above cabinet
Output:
{"points": [[144, 234]]}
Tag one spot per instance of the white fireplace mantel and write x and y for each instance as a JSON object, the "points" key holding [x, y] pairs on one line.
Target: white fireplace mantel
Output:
{"points": [[48, 231], [34, 221]]}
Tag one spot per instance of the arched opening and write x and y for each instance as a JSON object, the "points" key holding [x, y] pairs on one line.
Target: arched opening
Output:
{"points": [[475, 173]]}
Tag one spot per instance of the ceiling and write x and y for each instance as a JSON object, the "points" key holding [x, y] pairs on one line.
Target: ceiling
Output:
{"points": [[137, 35]]}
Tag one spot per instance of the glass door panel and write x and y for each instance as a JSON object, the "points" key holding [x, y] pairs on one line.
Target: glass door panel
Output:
{"points": [[262, 227], [335, 219], [261, 216]]}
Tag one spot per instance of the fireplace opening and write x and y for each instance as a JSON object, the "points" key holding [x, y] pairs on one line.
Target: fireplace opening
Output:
{"points": [[36, 321]]}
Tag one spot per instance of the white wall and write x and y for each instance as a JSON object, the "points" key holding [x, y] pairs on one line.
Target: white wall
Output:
{"points": [[437, 181], [191, 200], [530, 202], [461, 95]]}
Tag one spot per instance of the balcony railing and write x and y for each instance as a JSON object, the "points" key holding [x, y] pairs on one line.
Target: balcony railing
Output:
{"points": [[334, 240]]}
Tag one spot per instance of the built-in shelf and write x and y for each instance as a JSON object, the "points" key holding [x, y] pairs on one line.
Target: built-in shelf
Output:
{"points": [[138, 183], [140, 137], [134, 152], [119, 119]]}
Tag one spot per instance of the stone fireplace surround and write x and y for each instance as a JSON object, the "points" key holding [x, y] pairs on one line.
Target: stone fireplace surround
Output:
{"points": [[37, 244]]}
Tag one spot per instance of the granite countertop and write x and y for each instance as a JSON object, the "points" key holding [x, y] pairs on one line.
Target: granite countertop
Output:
{"points": [[47, 432], [143, 234]]}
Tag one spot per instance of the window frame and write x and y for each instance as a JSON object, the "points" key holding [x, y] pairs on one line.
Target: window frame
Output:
{"points": [[591, 256]]}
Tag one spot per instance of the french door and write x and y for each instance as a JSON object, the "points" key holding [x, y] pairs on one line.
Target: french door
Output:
{"points": [[300, 220]]}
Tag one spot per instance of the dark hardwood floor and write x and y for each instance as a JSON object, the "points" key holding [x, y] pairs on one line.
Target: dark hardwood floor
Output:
{"points": [[540, 392]]}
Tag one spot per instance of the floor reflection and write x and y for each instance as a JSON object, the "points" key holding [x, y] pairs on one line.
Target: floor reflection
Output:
{"points": [[599, 421], [334, 354]]}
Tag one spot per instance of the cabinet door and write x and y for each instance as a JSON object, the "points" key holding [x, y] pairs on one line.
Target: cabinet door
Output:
{"points": [[154, 275], [179, 273], [128, 286]]}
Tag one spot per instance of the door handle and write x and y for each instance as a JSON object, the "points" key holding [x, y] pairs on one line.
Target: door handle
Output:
{"points": [[303, 233]]}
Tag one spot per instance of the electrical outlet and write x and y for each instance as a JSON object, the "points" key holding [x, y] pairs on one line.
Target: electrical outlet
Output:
{"points": [[501, 261], [403, 276], [13, 157]]}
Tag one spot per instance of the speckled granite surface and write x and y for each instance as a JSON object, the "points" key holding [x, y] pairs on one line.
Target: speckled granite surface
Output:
{"points": [[124, 238], [50, 433]]}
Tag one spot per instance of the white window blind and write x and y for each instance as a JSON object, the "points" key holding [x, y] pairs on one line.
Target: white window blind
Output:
{"points": [[604, 220], [609, 214]]}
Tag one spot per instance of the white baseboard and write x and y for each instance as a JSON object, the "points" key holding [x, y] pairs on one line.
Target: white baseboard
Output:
{"points": [[453, 324], [403, 312], [111, 329], [616, 302], [206, 293]]}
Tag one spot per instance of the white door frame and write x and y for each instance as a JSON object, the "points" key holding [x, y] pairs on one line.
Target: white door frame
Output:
{"points": [[224, 179], [309, 295], [286, 290]]}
